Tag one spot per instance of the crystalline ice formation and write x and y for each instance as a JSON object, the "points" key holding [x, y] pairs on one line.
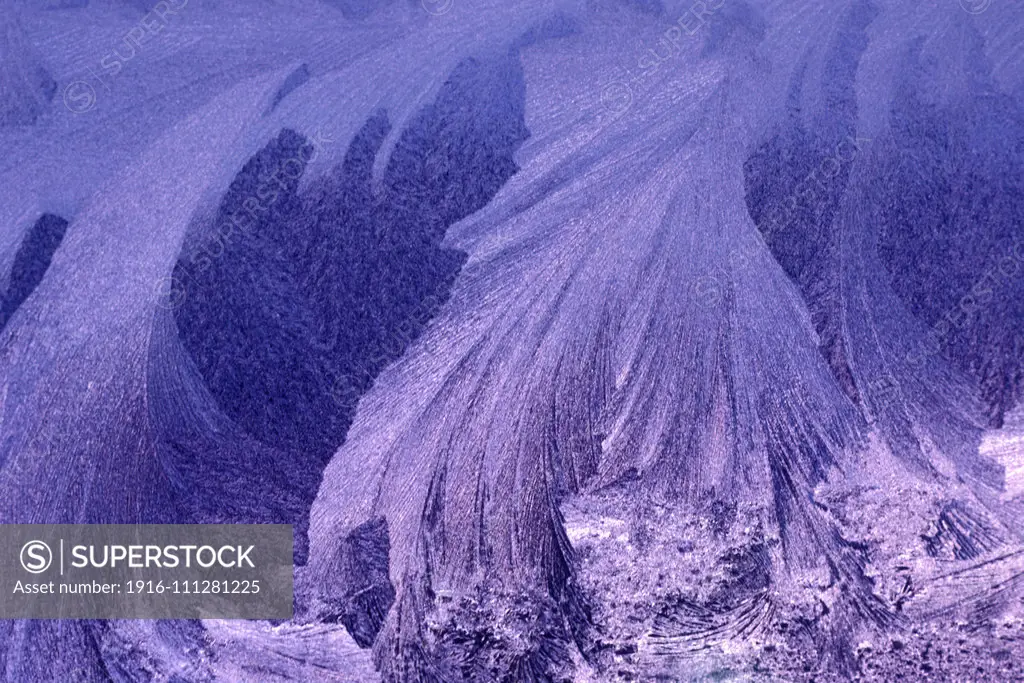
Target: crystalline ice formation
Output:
{"points": [[578, 340]]}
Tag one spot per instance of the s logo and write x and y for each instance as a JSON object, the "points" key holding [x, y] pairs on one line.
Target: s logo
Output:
{"points": [[79, 97], [36, 557]]}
